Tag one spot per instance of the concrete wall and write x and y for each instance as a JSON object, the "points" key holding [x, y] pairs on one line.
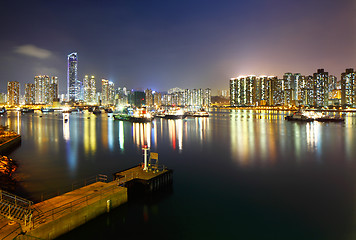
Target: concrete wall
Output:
{"points": [[76, 218]]}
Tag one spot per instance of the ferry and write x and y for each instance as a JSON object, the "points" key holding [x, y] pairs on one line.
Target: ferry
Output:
{"points": [[200, 113], [175, 113], [299, 116]]}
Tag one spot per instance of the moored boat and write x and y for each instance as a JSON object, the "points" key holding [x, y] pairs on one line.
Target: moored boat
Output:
{"points": [[175, 113], [327, 118], [97, 111], [46, 110], [138, 115], [3, 110], [299, 116], [201, 113], [27, 110]]}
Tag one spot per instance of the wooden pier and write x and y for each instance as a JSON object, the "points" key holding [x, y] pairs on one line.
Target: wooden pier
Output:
{"points": [[59, 215]]}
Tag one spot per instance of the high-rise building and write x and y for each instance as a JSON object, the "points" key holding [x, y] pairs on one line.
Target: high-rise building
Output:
{"points": [[149, 97], [53, 90], [13, 93], [42, 89], [30, 93], [348, 87], [111, 93], [73, 85], [2, 98], [207, 98], [137, 98], [89, 86], [104, 91], [321, 79], [46, 89], [157, 99], [121, 95]]}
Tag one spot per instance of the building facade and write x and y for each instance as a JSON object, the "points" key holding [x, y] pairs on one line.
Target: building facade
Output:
{"points": [[89, 87], [30, 93], [13, 93], [348, 87], [73, 85]]}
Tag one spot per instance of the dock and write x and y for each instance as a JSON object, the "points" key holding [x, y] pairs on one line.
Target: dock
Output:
{"points": [[54, 217]]}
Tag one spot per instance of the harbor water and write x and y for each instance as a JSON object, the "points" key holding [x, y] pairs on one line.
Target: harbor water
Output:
{"points": [[238, 174]]}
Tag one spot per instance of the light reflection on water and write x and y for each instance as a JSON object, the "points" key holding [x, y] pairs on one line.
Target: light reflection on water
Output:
{"points": [[257, 153]]}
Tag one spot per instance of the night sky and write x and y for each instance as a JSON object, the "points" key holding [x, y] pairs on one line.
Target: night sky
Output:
{"points": [[164, 44]]}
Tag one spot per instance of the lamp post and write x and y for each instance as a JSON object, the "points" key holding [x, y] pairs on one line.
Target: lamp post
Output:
{"points": [[145, 149]]}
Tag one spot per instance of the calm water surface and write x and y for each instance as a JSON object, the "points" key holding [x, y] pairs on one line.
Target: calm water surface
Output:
{"points": [[237, 174]]}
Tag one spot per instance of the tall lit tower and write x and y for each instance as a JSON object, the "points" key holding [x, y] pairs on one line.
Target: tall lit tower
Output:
{"points": [[104, 91], [321, 79], [89, 89], [13, 93], [73, 85], [29, 93]]}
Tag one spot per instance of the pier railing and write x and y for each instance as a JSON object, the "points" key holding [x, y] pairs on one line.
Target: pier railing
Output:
{"points": [[15, 208], [42, 217], [73, 186]]}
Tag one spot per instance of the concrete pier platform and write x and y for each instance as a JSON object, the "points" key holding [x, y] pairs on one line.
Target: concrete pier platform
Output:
{"points": [[62, 214], [59, 215]]}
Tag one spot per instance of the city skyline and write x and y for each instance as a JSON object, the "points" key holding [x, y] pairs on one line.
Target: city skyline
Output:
{"points": [[160, 45]]}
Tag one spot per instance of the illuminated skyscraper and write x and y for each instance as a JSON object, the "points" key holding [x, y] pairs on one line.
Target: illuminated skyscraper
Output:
{"points": [[13, 93], [157, 99], [53, 90], [29, 93], [149, 97], [89, 86], [46, 89], [207, 97], [321, 79], [107, 92], [42, 89], [73, 85], [348, 87]]}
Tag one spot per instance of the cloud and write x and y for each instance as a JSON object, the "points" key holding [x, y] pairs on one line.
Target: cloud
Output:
{"points": [[33, 51]]}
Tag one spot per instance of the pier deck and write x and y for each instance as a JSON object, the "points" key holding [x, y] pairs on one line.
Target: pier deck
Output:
{"points": [[137, 172], [9, 229]]}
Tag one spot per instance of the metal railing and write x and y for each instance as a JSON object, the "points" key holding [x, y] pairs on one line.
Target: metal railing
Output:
{"points": [[15, 208], [73, 186]]}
